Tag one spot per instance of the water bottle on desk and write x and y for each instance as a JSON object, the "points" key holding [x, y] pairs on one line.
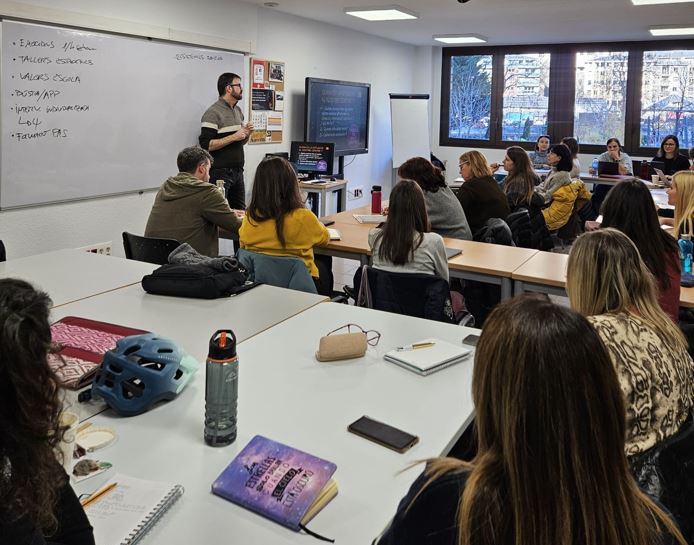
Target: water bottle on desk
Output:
{"points": [[686, 248], [376, 199], [221, 188], [221, 389], [594, 167]]}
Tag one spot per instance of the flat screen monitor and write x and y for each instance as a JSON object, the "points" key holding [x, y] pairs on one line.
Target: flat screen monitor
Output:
{"points": [[313, 158], [338, 112]]}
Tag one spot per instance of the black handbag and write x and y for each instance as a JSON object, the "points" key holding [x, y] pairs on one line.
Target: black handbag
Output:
{"points": [[198, 281]]}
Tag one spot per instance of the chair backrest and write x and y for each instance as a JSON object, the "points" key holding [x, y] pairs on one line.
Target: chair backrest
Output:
{"points": [[283, 272], [412, 294], [495, 231], [666, 472], [3, 255], [149, 249]]}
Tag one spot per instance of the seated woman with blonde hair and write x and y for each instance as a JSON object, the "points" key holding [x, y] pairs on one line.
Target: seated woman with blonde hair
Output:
{"points": [[550, 468], [480, 195], [608, 282], [681, 195]]}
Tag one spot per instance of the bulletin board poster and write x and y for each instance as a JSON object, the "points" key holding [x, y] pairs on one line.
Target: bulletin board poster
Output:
{"points": [[267, 101]]}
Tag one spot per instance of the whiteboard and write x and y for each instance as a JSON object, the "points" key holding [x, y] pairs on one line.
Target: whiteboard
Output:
{"points": [[87, 114], [409, 116]]}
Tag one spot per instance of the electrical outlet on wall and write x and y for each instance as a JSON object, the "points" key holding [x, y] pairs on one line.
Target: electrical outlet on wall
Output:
{"points": [[357, 193]]}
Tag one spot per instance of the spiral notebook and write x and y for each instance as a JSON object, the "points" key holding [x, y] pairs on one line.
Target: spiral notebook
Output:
{"points": [[124, 515]]}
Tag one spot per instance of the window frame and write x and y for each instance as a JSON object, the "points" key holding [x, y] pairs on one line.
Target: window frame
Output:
{"points": [[562, 91]]}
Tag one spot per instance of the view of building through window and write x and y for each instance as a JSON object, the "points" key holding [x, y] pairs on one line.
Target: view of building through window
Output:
{"points": [[526, 92], [667, 97], [470, 96], [599, 109]]}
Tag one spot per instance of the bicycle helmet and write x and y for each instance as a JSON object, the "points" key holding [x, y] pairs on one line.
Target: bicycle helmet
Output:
{"points": [[140, 371]]}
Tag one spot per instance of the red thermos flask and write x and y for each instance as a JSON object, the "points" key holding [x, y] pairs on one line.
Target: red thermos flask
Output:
{"points": [[376, 199]]}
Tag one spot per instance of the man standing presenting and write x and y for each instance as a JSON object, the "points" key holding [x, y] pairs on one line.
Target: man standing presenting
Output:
{"points": [[223, 134]]}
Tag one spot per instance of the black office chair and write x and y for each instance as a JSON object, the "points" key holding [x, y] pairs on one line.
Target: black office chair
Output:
{"points": [[666, 472], [420, 295], [149, 249], [3, 255]]}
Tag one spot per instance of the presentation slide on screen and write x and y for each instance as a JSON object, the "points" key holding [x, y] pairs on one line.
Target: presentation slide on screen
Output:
{"points": [[312, 157], [338, 114]]}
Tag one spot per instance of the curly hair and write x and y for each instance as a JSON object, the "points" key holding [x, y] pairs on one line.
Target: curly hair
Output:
{"points": [[29, 408]]}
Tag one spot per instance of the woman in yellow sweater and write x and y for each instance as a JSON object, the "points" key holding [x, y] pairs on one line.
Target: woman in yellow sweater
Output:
{"points": [[277, 223]]}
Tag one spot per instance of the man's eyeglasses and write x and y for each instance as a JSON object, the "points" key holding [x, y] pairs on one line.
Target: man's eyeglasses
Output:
{"points": [[236, 85], [372, 336]]}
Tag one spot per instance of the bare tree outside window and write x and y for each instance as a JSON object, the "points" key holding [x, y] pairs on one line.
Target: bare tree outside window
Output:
{"points": [[667, 97], [526, 92], [470, 97], [599, 108]]}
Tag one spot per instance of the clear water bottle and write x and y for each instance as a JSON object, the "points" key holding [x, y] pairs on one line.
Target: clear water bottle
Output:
{"points": [[221, 389], [686, 247]]}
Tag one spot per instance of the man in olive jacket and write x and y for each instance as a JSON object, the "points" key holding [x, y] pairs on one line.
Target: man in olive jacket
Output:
{"points": [[189, 209]]}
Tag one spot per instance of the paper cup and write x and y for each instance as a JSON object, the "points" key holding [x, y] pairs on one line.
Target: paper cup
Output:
{"points": [[655, 178], [66, 447]]}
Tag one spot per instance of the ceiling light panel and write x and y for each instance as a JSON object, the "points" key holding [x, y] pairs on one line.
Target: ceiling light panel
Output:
{"points": [[385, 13], [460, 38], [672, 31]]}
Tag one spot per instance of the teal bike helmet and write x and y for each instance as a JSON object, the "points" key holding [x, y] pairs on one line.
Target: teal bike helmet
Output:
{"points": [[141, 371]]}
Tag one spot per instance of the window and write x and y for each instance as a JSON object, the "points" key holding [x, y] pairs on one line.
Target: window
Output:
{"points": [[667, 97], [600, 104], [470, 96], [636, 91], [526, 92]]}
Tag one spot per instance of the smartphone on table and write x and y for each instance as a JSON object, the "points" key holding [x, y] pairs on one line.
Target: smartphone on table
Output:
{"points": [[383, 434]]}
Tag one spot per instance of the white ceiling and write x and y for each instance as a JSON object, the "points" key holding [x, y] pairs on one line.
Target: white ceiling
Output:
{"points": [[503, 22]]}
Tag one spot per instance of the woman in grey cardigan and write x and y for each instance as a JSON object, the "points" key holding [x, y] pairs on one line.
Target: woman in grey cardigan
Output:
{"points": [[445, 212]]}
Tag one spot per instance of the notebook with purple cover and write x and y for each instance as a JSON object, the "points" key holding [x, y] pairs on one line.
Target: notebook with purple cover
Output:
{"points": [[282, 483]]}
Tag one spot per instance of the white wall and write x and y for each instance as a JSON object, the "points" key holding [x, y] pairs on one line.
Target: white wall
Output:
{"points": [[309, 49]]}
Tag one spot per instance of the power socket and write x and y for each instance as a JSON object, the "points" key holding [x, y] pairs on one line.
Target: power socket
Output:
{"points": [[358, 192]]}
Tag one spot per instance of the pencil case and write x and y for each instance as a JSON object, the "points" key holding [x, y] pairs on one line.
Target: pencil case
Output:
{"points": [[341, 347]]}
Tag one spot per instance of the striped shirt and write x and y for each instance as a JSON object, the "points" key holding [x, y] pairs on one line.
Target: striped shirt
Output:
{"points": [[218, 121]]}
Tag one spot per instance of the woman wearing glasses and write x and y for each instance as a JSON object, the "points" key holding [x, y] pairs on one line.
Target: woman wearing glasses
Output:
{"points": [[480, 195], [278, 223], [669, 154], [550, 468]]}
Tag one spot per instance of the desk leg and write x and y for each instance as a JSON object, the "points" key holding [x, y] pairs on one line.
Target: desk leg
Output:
{"points": [[518, 287], [323, 197], [506, 288], [342, 193]]}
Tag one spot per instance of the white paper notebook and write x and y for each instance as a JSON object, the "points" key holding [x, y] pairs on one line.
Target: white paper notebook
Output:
{"points": [[369, 218], [124, 515], [334, 234], [425, 361]]}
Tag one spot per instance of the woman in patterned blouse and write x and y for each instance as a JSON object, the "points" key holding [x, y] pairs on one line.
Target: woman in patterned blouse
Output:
{"points": [[608, 282]]}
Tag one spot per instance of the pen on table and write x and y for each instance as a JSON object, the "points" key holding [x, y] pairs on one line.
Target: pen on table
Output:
{"points": [[415, 346], [98, 494]]}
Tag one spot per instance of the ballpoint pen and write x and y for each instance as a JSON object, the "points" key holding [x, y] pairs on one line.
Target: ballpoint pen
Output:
{"points": [[415, 346]]}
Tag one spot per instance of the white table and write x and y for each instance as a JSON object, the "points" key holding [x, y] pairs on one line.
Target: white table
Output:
{"points": [[71, 275], [285, 394], [246, 314]]}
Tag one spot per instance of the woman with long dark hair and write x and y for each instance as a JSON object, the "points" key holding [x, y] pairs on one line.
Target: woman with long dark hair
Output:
{"points": [[629, 207], [37, 503], [550, 468], [277, 223], [519, 184], [572, 143], [443, 208], [404, 243], [669, 154]]}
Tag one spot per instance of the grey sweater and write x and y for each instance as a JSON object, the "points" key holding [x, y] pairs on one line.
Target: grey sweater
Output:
{"points": [[446, 215], [555, 180], [429, 257]]}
